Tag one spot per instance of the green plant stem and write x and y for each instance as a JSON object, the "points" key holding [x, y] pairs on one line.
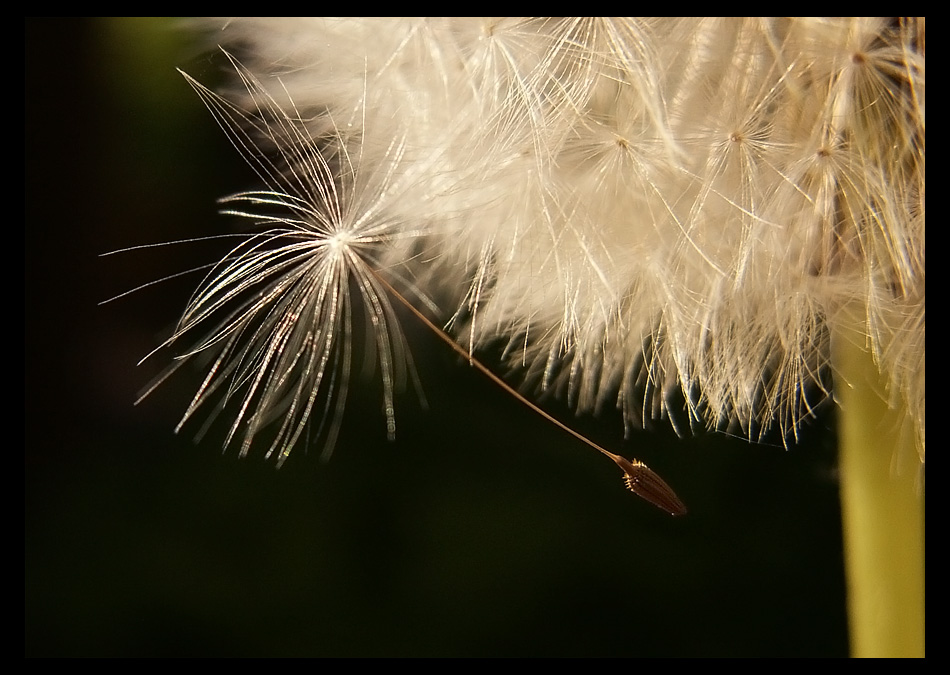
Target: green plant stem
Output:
{"points": [[882, 510]]}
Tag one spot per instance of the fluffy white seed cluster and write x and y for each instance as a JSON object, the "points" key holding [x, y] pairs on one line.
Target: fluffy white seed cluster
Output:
{"points": [[665, 214]]}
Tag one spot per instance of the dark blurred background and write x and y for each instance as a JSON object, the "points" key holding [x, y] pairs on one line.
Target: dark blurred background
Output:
{"points": [[481, 531]]}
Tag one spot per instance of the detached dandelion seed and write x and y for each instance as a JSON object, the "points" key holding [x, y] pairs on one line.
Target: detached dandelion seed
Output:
{"points": [[279, 305]]}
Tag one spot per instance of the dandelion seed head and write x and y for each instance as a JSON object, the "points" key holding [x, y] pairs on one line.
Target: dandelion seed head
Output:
{"points": [[666, 215]]}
